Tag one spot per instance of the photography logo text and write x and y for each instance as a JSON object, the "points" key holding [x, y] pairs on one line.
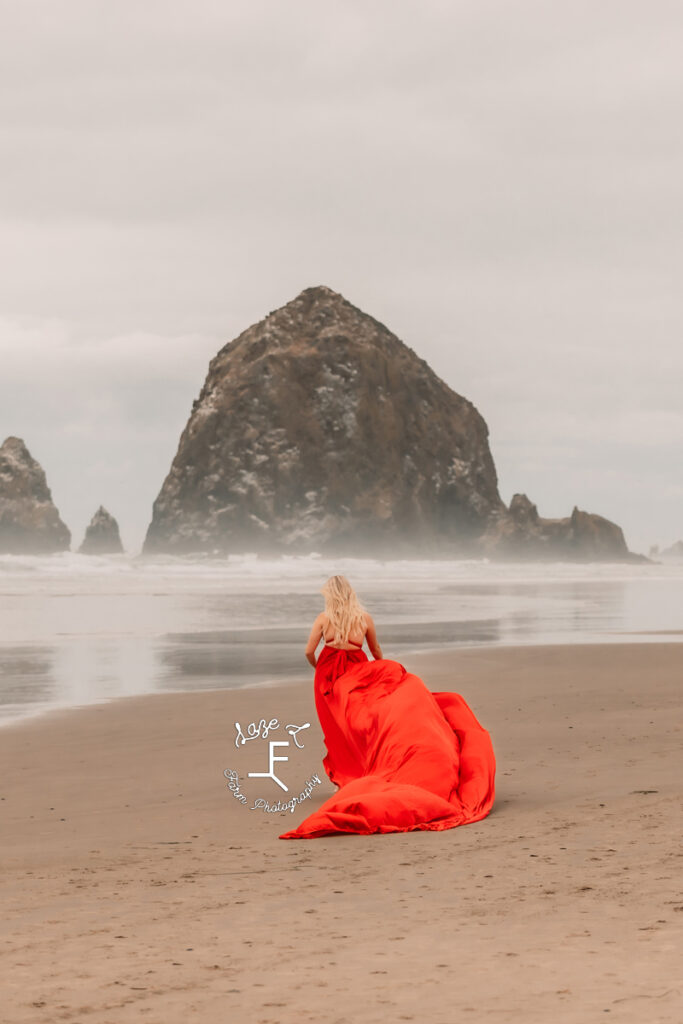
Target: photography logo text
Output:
{"points": [[274, 764]]}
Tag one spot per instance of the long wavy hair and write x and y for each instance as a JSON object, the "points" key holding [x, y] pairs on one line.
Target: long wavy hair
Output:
{"points": [[343, 608]]}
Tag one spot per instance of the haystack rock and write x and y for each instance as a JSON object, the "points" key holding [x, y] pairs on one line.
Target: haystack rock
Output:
{"points": [[317, 429], [102, 535], [29, 521]]}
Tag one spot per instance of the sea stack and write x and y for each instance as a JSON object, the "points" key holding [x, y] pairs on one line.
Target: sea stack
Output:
{"points": [[520, 533], [318, 430], [29, 522], [102, 535], [673, 553]]}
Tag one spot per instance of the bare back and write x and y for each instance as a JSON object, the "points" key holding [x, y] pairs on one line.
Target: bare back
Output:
{"points": [[328, 637], [321, 630]]}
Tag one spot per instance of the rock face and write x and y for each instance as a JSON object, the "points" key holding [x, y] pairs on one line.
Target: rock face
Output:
{"points": [[519, 532], [29, 521], [102, 535], [317, 429]]}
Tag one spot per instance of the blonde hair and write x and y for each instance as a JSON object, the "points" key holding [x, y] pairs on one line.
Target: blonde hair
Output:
{"points": [[343, 608]]}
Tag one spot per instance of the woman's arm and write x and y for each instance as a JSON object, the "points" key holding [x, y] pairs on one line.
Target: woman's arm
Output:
{"points": [[371, 637], [314, 638]]}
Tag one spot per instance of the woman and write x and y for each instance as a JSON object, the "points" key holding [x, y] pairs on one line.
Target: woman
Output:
{"points": [[403, 758]]}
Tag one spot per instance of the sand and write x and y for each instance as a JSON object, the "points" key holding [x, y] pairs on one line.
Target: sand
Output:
{"points": [[135, 886]]}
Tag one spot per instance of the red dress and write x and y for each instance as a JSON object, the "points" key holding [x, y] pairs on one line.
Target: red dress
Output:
{"points": [[406, 759]]}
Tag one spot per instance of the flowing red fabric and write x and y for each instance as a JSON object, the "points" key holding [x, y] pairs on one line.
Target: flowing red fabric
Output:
{"points": [[405, 759]]}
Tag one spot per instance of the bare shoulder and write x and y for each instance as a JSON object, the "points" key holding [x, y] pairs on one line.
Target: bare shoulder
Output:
{"points": [[318, 622]]}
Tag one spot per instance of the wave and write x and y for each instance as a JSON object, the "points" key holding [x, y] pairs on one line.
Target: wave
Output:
{"points": [[314, 568]]}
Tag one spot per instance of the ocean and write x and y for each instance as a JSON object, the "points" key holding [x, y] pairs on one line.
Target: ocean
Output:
{"points": [[77, 630]]}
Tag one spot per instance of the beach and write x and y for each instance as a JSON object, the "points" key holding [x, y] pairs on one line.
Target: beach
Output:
{"points": [[137, 885]]}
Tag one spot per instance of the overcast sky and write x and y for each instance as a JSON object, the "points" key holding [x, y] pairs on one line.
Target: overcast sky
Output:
{"points": [[497, 182]]}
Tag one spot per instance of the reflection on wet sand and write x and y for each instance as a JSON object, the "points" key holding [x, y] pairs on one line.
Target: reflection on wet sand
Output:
{"points": [[109, 636], [237, 657]]}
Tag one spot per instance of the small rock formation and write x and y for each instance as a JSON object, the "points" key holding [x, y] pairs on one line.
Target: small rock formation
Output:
{"points": [[519, 532], [29, 521], [672, 554], [317, 429], [102, 535]]}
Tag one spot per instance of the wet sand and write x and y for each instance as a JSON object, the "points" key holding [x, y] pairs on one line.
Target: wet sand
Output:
{"points": [[136, 885]]}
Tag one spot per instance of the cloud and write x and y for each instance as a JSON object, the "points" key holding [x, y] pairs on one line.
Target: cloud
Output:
{"points": [[103, 418], [498, 183]]}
